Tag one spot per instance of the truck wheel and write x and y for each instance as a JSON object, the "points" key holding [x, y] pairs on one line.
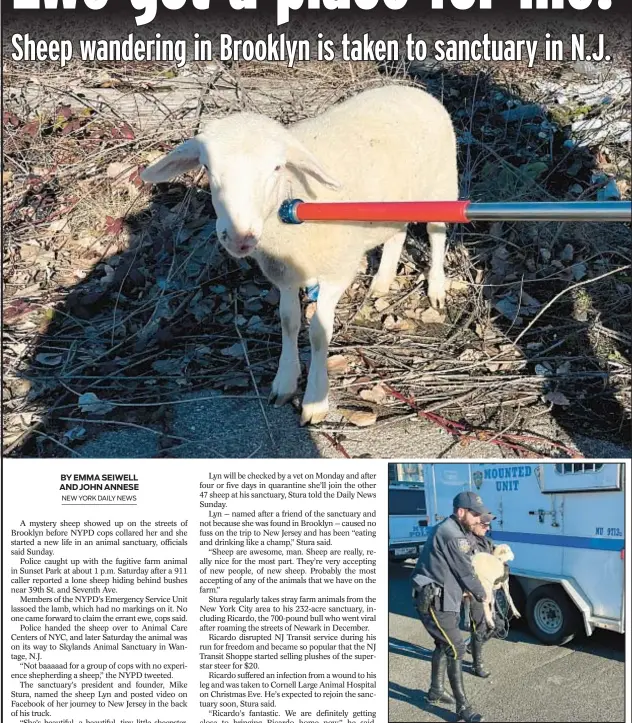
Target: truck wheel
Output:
{"points": [[551, 616]]}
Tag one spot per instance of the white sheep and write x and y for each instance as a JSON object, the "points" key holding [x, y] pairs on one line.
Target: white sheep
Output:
{"points": [[394, 143], [490, 568]]}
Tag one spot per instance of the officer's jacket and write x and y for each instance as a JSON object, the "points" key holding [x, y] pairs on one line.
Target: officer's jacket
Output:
{"points": [[480, 544], [446, 559]]}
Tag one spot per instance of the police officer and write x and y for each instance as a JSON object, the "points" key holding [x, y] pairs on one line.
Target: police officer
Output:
{"points": [[481, 632], [443, 573]]}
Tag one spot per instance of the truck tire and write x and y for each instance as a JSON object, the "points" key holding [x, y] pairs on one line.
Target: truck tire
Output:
{"points": [[551, 615]]}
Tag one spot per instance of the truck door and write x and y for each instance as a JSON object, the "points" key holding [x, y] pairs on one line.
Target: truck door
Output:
{"points": [[526, 519], [593, 528]]}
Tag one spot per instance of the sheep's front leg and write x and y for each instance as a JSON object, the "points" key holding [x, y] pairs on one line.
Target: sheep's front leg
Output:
{"points": [[285, 382], [387, 271], [436, 275], [316, 401]]}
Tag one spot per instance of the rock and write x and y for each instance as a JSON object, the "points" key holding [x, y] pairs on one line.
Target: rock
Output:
{"points": [[568, 252], [432, 316]]}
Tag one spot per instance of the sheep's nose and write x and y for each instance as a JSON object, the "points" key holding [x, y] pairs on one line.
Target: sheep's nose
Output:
{"points": [[245, 242]]}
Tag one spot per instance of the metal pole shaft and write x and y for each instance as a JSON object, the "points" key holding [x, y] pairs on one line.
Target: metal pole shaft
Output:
{"points": [[296, 211], [555, 211]]}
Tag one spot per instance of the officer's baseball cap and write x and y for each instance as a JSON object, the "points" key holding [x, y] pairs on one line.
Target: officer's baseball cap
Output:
{"points": [[486, 519], [471, 501]]}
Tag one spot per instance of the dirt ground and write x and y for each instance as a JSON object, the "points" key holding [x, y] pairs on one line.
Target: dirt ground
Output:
{"points": [[120, 312]]}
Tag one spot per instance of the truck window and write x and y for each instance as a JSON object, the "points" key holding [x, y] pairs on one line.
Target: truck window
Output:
{"points": [[405, 472], [581, 477], [406, 502], [577, 468]]}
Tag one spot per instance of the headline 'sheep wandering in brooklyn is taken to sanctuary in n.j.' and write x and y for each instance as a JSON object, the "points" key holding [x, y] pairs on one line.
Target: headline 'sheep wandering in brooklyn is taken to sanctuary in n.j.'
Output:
{"points": [[281, 49]]}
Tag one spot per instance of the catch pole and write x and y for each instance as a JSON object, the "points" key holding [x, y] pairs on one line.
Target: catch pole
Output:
{"points": [[297, 211]]}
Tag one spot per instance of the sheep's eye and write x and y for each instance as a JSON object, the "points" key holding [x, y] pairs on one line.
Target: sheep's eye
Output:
{"points": [[277, 169]]}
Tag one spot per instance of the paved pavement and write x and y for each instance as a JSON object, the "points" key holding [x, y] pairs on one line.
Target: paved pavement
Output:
{"points": [[581, 681], [215, 426]]}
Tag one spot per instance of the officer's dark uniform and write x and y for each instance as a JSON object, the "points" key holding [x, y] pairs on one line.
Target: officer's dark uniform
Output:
{"points": [[446, 560], [480, 628], [442, 574]]}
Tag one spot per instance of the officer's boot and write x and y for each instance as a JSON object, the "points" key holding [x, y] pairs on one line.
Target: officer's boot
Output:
{"points": [[477, 657], [436, 694], [464, 710]]}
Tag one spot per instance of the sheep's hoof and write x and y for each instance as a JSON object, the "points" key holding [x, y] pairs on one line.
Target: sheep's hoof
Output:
{"points": [[437, 302], [314, 413], [378, 291], [284, 388], [278, 400], [436, 292]]}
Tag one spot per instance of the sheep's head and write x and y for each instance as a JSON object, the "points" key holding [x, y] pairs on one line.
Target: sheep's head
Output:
{"points": [[503, 553], [247, 158]]}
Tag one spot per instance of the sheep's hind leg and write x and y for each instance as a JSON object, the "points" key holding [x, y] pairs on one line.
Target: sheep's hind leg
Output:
{"points": [[285, 382], [514, 609], [387, 270], [489, 618], [316, 399], [436, 274]]}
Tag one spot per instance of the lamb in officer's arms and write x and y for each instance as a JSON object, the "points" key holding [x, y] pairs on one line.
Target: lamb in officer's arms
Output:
{"points": [[490, 570]]}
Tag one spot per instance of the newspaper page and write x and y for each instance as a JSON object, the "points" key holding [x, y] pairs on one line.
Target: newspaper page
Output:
{"points": [[315, 360], [239, 591]]}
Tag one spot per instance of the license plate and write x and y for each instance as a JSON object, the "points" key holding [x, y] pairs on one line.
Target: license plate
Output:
{"points": [[406, 552]]}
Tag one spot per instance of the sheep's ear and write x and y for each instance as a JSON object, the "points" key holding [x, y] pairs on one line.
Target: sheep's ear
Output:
{"points": [[300, 159], [183, 158]]}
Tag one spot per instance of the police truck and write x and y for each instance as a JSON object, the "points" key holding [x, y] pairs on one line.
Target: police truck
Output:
{"points": [[565, 522]]}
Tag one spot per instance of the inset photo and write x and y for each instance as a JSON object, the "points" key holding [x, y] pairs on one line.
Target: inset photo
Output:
{"points": [[507, 591]]}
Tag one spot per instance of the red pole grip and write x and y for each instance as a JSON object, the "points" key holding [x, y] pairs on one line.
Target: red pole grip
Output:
{"points": [[396, 211]]}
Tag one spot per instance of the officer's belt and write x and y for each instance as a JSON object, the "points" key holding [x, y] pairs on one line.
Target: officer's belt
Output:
{"points": [[425, 590]]}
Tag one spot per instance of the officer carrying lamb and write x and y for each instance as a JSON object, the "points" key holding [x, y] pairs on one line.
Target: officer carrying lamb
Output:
{"points": [[443, 574]]}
